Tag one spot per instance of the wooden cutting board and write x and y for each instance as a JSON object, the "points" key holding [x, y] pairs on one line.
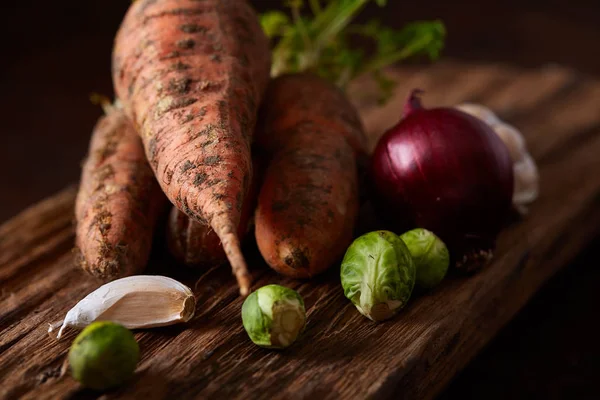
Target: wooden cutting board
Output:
{"points": [[341, 354]]}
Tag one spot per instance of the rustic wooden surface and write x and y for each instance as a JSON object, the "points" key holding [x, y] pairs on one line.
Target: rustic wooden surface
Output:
{"points": [[341, 354]]}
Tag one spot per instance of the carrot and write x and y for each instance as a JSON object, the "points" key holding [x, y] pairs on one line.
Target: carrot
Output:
{"points": [[197, 245], [308, 203], [118, 203], [191, 76]]}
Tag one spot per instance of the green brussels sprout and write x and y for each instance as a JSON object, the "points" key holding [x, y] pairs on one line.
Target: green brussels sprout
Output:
{"points": [[430, 256], [378, 274], [104, 355], [273, 316]]}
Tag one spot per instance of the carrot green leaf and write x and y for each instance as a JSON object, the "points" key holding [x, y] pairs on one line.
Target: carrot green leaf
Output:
{"points": [[316, 37]]}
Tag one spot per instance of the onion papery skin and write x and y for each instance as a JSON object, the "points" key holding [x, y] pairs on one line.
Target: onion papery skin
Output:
{"points": [[447, 171]]}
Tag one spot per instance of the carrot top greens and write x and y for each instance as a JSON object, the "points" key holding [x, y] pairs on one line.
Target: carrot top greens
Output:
{"points": [[315, 36]]}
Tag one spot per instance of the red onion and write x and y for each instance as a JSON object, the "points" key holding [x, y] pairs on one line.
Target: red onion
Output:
{"points": [[446, 171]]}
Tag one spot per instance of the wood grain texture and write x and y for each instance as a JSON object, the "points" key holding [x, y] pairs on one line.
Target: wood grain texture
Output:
{"points": [[341, 354]]}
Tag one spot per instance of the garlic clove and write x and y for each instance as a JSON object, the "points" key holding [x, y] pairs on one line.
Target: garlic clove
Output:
{"points": [[479, 111], [141, 301]]}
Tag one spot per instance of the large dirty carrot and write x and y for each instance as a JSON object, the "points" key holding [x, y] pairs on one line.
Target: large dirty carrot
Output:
{"points": [[308, 202], [118, 203], [191, 76], [196, 244]]}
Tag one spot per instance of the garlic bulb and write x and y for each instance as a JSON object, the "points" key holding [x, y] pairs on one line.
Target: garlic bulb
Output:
{"points": [[479, 111], [526, 185], [141, 301], [513, 139], [526, 182]]}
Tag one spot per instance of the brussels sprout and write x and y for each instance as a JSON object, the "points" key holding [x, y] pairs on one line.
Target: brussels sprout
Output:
{"points": [[273, 316], [430, 256], [378, 274], [104, 355]]}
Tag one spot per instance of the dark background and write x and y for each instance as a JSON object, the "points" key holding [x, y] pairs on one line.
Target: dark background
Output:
{"points": [[54, 54]]}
